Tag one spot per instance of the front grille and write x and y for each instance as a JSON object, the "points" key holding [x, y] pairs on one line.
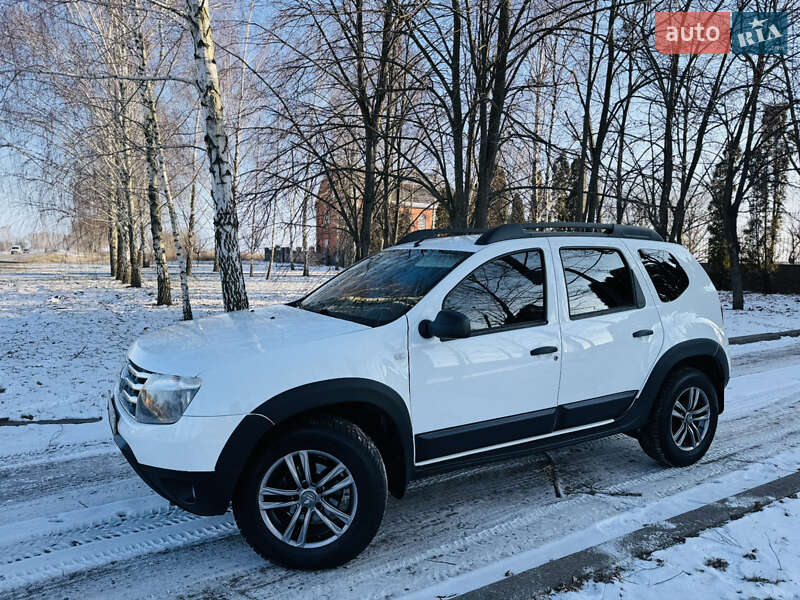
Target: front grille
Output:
{"points": [[131, 381]]}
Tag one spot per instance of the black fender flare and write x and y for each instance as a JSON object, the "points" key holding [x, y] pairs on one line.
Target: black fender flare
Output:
{"points": [[702, 348], [320, 395]]}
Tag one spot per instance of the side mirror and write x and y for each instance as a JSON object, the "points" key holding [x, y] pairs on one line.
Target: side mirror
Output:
{"points": [[448, 324]]}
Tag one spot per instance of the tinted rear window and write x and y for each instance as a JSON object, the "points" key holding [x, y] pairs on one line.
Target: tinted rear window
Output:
{"points": [[598, 280], [666, 273]]}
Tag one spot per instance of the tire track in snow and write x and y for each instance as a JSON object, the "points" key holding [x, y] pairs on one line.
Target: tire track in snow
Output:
{"points": [[57, 453], [161, 535]]}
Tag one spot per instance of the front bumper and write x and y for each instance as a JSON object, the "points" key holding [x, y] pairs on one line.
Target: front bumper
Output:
{"points": [[210, 453], [201, 493]]}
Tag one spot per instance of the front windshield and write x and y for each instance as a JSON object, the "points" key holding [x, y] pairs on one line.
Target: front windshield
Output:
{"points": [[378, 289]]}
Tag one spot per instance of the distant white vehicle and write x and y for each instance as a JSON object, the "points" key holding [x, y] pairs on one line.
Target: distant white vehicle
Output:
{"points": [[15, 249], [442, 352]]}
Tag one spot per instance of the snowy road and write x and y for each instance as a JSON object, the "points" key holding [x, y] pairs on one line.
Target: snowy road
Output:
{"points": [[76, 522]]}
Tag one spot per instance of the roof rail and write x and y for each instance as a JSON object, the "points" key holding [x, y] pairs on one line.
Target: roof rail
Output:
{"points": [[513, 231], [426, 234]]}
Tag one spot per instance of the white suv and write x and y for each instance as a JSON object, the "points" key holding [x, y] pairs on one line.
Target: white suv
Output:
{"points": [[443, 351]]}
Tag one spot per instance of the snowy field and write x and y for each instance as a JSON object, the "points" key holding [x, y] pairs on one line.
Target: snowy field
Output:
{"points": [[64, 328], [75, 520], [763, 313]]}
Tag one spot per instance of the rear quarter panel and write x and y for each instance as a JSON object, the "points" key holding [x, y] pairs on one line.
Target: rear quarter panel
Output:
{"points": [[696, 313]]}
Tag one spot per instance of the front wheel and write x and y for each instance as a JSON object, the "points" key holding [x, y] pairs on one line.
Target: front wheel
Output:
{"points": [[683, 421], [315, 497]]}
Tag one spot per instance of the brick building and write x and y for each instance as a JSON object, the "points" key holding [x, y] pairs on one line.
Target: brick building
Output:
{"points": [[418, 211]]}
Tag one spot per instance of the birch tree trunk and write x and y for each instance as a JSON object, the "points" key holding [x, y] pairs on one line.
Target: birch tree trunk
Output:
{"points": [[252, 237], [123, 268], [272, 247], [291, 233], [127, 195], [113, 237], [164, 294], [192, 201], [157, 170], [304, 217], [190, 233], [240, 105], [123, 262], [173, 220], [144, 260], [226, 222], [127, 187]]}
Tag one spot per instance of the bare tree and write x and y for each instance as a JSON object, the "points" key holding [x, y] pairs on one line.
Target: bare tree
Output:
{"points": [[157, 171], [226, 221]]}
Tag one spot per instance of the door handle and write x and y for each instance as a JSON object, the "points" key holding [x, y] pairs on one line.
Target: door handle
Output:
{"points": [[643, 333], [543, 350]]}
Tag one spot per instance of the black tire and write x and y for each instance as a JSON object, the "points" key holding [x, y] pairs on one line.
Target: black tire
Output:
{"points": [[656, 437], [346, 443]]}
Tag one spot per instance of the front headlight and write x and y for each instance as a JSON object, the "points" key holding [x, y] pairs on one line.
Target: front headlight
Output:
{"points": [[164, 398]]}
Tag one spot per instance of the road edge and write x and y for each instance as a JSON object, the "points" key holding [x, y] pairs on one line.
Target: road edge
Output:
{"points": [[600, 562], [762, 337]]}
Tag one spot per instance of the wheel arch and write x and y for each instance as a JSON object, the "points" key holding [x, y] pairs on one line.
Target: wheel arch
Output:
{"points": [[704, 354], [374, 407]]}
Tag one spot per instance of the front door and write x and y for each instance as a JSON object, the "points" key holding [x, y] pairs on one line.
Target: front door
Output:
{"points": [[500, 385]]}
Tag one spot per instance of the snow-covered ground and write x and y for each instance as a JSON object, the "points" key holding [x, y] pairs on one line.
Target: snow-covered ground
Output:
{"points": [[76, 521], [757, 556], [763, 313]]}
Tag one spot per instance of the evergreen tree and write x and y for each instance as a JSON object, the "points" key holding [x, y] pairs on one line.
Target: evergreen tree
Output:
{"points": [[500, 201], [768, 176], [718, 258], [442, 218], [538, 198], [517, 209], [562, 185]]}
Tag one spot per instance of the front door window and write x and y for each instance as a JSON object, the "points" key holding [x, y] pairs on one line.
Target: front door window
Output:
{"points": [[503, 293]]}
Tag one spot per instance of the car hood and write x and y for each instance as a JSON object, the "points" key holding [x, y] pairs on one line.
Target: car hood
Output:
{"points": [[190, 347]]}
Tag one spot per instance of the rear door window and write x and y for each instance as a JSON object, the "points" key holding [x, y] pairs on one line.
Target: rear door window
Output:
{"points": [[598, 281], [666, 273]]}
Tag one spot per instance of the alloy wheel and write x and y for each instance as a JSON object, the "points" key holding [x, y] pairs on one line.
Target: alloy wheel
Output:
{"points": [[691, 414], [308, 498]]}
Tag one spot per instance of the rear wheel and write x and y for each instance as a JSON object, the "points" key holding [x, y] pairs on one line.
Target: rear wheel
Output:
{"points": [[683, 421], [315, 497]]}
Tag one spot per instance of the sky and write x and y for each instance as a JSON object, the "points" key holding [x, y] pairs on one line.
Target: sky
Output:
{"points": [[22, 219]]}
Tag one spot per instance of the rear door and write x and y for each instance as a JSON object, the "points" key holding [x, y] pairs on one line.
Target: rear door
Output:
{"points": [[611, 330]]}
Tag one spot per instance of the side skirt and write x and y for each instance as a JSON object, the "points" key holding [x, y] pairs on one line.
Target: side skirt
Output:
{"points": [[635, 415], [443, 443]]}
